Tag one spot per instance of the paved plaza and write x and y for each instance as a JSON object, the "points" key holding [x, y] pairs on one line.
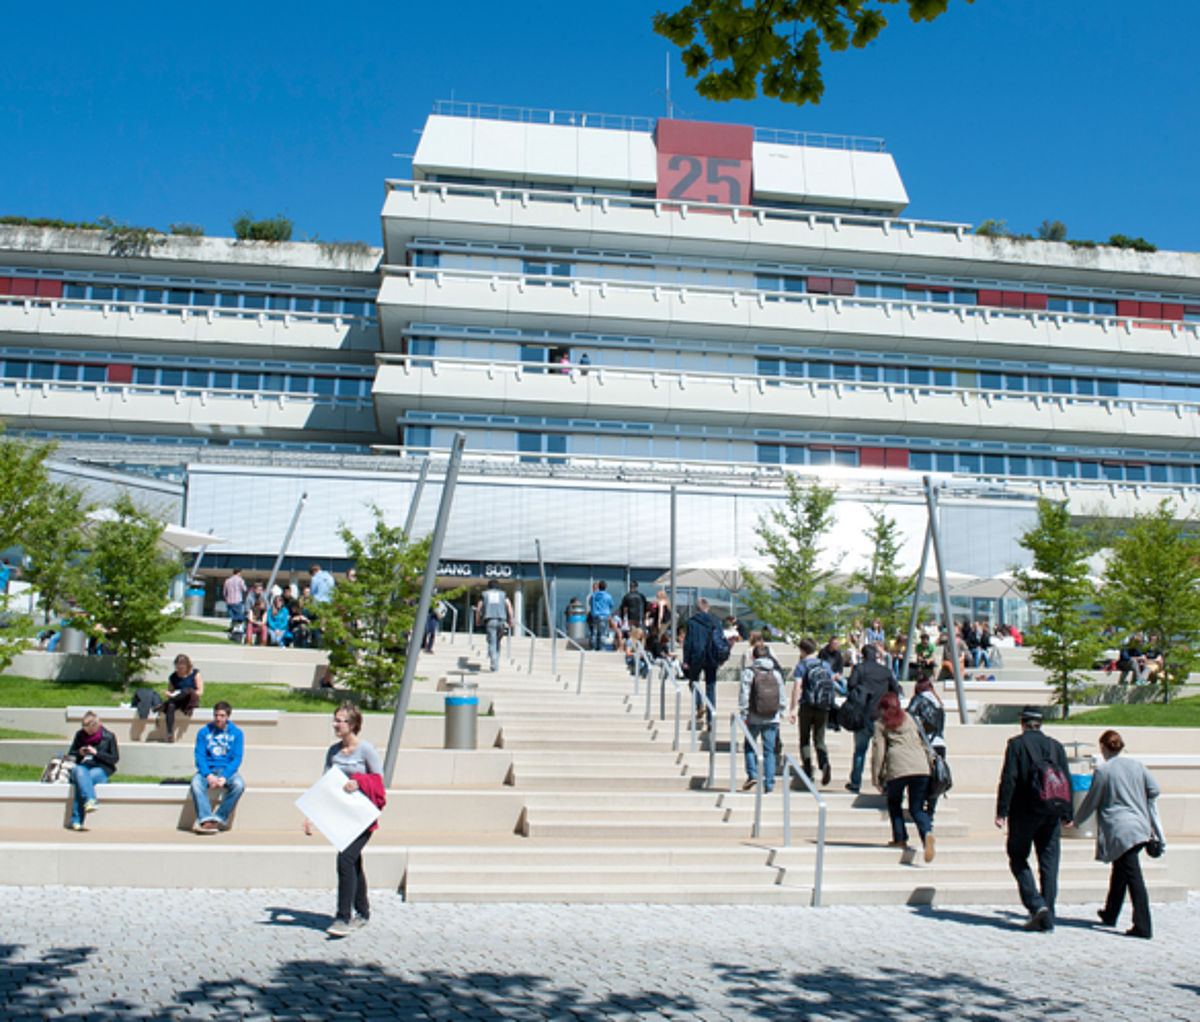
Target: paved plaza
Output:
{"points": [[73, 953]]}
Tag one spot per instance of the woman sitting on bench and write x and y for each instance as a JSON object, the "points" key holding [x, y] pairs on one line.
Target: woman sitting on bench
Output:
{"points": [[184, 689]]}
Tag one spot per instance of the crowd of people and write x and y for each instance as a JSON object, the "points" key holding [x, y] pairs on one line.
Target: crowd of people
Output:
{"points": [[283, 617]]}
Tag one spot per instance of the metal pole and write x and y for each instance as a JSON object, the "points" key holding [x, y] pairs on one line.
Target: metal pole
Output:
{"points": [[548, 607], [286, 540], [916, 607], [199, 558], [674, 606], [410, 521], [931, 503], [427, 585]]}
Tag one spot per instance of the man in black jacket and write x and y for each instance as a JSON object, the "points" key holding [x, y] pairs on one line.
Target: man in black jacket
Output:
{"points": [[697, 657], [869, 680], [633, 607], [1030, 822]]}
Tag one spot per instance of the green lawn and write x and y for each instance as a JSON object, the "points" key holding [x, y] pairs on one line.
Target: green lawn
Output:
{"points": [[27, 692], [185, 630], [16, 733], [1178, 713], [32, 772]]}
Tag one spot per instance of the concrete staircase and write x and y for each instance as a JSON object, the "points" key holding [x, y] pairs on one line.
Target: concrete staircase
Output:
{"points": [[570, 797]]}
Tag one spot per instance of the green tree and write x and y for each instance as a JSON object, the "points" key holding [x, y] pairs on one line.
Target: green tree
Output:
{"points": [[1152, 585], [22, 478], [126, 581], [54, 542], [736, 47], [1064, 639], [889, 595], [802, 598], [366, 625]]}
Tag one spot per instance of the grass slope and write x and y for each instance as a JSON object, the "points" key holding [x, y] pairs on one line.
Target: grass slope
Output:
{"points": [[1183, 712]]}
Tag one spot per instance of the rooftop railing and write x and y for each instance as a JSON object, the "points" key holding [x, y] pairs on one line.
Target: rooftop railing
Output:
{"points": [[673, 207], [626, 122]]}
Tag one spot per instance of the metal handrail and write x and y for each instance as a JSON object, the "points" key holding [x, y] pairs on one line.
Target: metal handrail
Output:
{"points": [[454, 623], [582, 651], [526, 630], [735, 722], [790, 766]]}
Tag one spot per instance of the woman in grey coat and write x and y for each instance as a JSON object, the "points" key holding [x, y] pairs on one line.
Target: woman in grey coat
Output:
{"points": [[1123, 794]]}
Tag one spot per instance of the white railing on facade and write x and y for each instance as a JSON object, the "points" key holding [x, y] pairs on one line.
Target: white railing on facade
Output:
{"points": [[667, 207], [836, 304], [185, 313], [132, 391]]}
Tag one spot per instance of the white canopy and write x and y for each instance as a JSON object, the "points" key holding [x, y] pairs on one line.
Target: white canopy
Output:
{"points": [[174, 537]]}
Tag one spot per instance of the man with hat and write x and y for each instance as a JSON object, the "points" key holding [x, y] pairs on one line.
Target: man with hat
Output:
{"points": [[1031, 802]]}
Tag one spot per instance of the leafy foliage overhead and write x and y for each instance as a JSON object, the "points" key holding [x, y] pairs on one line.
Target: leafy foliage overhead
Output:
{"points": [[731, 44]]}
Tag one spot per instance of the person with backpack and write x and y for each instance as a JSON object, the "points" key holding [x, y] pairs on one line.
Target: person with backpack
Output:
{"points": [[900, 762], [869, 680], [814, 692], [1034, 799], [760, 702], [927, 710], [703, 646]]}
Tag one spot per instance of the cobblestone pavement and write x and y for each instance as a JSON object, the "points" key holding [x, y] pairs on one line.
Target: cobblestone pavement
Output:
{"points": [[73, 953]]}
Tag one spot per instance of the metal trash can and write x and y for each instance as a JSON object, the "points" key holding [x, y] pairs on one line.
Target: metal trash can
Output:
{"points": [[72, 640], [193, 603], [462, 709], [1081, 783], [577, 624]]}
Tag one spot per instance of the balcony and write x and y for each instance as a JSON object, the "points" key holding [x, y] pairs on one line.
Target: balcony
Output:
{"points": [[140, 327], [131, 408], [466, 386], [728, 315]]}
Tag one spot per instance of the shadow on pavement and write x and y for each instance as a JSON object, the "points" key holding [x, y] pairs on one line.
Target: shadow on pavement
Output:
{"points": [[335, 988], [283, 916]]}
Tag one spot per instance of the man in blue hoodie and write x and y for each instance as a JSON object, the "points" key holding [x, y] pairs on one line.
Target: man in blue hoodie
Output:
{"points": [[219, 748]]}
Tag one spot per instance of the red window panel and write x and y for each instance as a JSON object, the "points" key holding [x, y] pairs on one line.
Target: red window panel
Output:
{"points": [[1193, 309], [939, 290], [1012, 299], [5, 284], [1128, 308], [49, 288], [23, 286], [916, 287], [990, 298], [1152, 310], [842, 286], [820, 285], [1035, 301], [120, 373], [872, 457], [1170, 311], [897, 457]]}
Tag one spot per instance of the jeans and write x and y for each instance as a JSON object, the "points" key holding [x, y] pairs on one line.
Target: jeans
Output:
{"points": [[1042, 833], [493, 641], [769, 733], [917, 785], [862, 742], [597, 626], [710, 688], [352, 881], [1127, 875], [980, 656], [812, 732], [85, 779], [234, 786]]}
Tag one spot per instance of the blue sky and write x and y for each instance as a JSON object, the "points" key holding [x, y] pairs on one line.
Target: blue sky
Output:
{"points": [[1004, 109]]}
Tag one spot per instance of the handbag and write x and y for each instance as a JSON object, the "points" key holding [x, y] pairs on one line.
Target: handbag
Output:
{"points": [[940, 778], [58, 770], [1154, 848]]}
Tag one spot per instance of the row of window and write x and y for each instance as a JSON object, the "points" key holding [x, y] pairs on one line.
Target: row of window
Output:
{"points": [[200, 379]]}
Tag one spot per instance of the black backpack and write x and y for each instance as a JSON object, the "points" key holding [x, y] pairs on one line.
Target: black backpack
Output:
{"points": [[822, 694], [1050, 787], [764, 692], [929, 715], [718, 646], [852, 714]]}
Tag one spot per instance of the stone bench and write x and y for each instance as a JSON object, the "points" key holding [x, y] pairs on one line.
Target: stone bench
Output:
{"points": [[154, 728]]}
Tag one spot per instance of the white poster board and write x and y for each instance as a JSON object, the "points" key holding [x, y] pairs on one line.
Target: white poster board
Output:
{"points": [[338, 814]]}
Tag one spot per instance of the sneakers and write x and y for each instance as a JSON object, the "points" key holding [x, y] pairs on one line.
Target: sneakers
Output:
{"points": [[897, 844], [749, 783], [91, 806], [826, 775], [339, 928], [207, 827], [75, 826], [929, 847], [1040, 920], [358, 922], [852, 788]]}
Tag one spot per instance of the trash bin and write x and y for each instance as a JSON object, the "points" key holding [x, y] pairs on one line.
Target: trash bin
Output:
{"points": [[577, 624], [462, 706], [1081, 783], [193, 603], [72, 640]]}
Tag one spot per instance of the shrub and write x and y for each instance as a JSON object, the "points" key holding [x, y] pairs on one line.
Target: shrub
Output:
{"points": [[1137, 244], [277, 228], [188, 230]]}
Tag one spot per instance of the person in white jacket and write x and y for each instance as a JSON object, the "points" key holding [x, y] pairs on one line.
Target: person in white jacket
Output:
{"points": [[1123, 794], [761, 702]]}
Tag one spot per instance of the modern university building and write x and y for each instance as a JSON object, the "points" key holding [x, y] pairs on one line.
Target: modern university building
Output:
{"points": [[607, 306]]}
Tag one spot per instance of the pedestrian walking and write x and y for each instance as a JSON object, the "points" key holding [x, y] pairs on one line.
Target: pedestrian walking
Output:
{"points": [[900, 764]]}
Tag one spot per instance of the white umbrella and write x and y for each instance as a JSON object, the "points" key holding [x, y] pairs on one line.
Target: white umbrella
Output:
{"points": [[995, 588], [174, 537], [717, 573]]}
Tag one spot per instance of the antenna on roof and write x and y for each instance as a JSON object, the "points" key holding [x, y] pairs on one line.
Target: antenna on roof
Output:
{"points": [[666, 93]]}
